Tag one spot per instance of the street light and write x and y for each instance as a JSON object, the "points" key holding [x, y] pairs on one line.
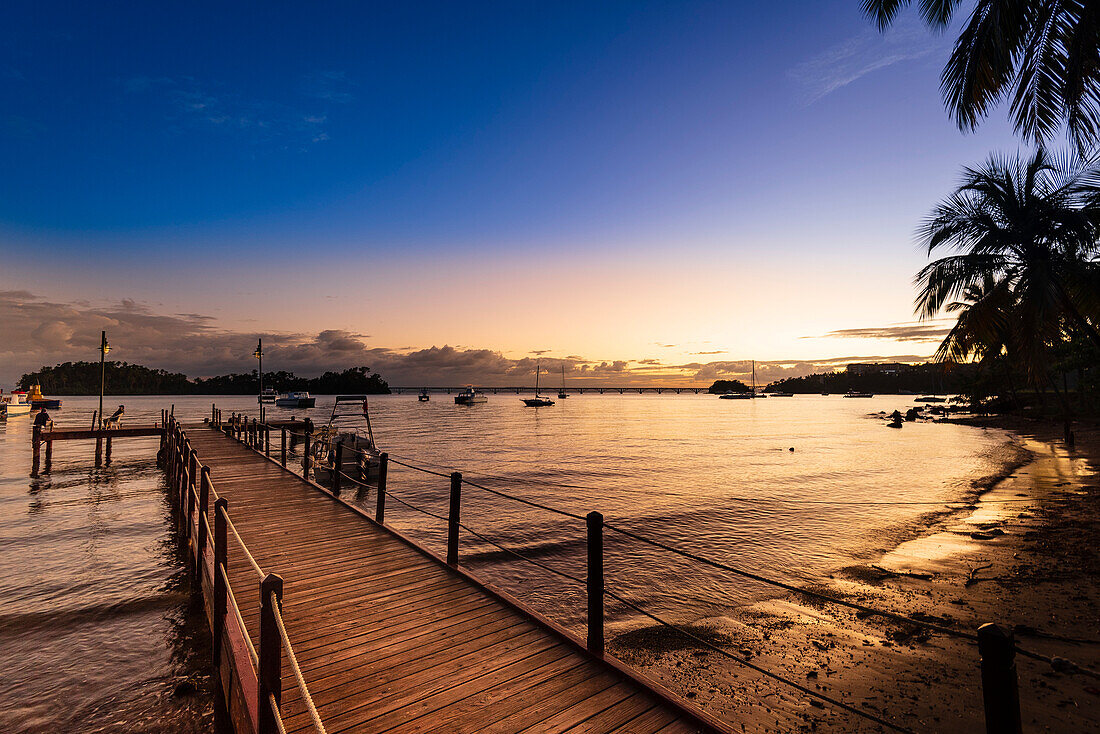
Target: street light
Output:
{"points": [[104, 347], [259, 354]]}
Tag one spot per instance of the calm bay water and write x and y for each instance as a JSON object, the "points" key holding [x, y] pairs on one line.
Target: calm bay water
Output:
{"points": [[94, 618]]}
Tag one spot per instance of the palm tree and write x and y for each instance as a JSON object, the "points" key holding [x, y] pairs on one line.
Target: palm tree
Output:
{"points": [[1024, 235], [1043, 55]]}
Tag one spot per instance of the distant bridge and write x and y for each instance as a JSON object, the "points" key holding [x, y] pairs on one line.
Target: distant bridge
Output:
{"points": [[660, 390]]}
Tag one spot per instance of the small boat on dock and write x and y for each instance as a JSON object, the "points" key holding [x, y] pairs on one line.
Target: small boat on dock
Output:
{"points": [[14, 404], [538, 401], [267, 395], [423, 397], [38, 400], [469, 396], [358, 458], [295, 400]]}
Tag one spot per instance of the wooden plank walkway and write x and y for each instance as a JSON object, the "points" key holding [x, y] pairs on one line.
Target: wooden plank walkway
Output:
{"points": [[391, 640]]}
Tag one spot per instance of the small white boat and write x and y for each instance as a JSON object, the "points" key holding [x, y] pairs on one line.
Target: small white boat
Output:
{"points": [[469, 396], [296, 400], [268, 395], [15, 404], [855, 394]]}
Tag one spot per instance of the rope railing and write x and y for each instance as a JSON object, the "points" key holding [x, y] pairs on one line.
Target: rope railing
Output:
{"points": [[240, 620], [763, 671], [1060, 664], [318, 725], [244, 548]]}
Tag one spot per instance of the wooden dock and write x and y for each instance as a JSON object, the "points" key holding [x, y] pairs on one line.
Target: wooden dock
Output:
{"points": [[389, 637]]}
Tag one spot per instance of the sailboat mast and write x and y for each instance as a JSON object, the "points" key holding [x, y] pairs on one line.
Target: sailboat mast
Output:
{"points": [[754, 377], [537, 370]]}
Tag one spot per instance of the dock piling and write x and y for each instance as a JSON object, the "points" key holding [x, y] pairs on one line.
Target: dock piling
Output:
{"points": [[453, 519], [269, 675], [221, 561], [1000, 691], [383, 470], [283, 447], [594, 522], [36, 443], [337, 468]]}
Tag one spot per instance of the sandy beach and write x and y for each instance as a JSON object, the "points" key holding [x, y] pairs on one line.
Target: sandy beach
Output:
{"points": [[1029, 536]]}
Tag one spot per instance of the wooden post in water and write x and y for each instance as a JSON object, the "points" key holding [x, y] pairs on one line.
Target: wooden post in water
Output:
{"points": [[453, 519], [283, 460], [594, 522], [337, 467], [269, 676], [383, 470], [1000, 691], [107, 458], [36, 444], [221, 561]]}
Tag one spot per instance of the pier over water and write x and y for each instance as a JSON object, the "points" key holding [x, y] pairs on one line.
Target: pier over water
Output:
{"points": [[325, 620]]}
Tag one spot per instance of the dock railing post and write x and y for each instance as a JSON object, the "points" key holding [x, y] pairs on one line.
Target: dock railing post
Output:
{"points": [[1000, 691], [338, 467], [453, 519], [269, 676], [204, 508], [185, 495], [267, 440], [595, 582], [305, 450], [36, 444], [283, 449], [383, 470], [221, 560]]}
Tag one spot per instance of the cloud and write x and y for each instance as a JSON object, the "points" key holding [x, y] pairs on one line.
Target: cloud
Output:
{"points": [[188, 103], [329, 86], [35, 331], [861, 55], [913, 332]]}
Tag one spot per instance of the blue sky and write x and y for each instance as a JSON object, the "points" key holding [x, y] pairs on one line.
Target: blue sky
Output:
{"points": [[625, 175]]}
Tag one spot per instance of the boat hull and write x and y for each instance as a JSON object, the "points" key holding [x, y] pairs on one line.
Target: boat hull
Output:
{"points": [[537, 402], [295, 402], [460, 400], [46, 403], [19, 409]]}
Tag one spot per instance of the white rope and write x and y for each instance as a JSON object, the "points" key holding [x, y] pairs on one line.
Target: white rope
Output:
{"points": [[240, 620], [317, 724], [244, 548]]}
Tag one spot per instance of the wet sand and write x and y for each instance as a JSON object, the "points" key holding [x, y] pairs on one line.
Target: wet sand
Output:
{"points": [[1023, 555]]}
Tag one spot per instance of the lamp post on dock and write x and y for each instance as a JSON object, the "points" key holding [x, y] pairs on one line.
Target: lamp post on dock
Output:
{"points": [[259, 354], [104, 347]]}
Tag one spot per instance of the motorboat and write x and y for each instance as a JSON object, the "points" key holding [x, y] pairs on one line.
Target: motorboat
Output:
{"points": [[349, 429], [15, 404], [38, 400], [295, 400], [267, 395], [856, 394], [424, 397], [469, 396], [538, 401]]}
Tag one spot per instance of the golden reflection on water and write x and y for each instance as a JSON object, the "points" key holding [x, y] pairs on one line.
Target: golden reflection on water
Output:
{"points": [[86, 549]]}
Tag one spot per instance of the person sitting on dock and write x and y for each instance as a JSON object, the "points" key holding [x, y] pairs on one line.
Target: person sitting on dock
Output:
{"points": [[115, 421], [42, 420]]}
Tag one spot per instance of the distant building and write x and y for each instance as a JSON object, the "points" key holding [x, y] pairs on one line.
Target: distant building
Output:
{"points": [[874, 368]]}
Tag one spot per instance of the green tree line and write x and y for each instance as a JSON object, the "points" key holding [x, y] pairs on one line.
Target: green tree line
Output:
{"points": [[121, 378]]}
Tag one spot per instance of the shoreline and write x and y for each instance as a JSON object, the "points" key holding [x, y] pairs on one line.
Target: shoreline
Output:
{"points": [[1037, 525]]}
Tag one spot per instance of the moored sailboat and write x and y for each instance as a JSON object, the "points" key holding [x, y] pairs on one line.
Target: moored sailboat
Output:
{"points": [[538, 401]]}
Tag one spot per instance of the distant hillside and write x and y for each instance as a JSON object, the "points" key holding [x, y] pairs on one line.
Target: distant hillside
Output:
{"points": [[918, 378], [82, 378], [724, 386]]}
